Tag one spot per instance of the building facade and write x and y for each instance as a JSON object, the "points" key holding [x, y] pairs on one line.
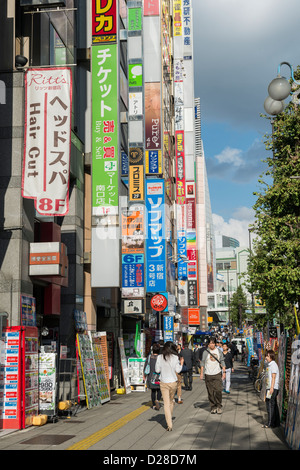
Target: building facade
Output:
{"points": [[105, 205]]}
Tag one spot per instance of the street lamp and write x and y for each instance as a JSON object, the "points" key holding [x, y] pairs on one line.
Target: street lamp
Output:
{"points": [[279, 89]]}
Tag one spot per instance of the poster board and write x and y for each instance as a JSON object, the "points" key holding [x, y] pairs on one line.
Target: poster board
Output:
{"points": [[126, 380], [47, 383], [100, 364], [135, 373], [87, 362]]}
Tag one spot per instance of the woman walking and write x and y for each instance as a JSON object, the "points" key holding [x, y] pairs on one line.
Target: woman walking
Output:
{"points": [[168, 364], [152, 379]]}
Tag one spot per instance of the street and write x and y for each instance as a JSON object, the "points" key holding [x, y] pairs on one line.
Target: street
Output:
{"points": [[127, 425]]}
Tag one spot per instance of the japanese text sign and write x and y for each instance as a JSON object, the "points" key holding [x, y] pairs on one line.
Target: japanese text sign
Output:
{"points": [[156, 239], [47, 142], [104, 20], [104, 130]]}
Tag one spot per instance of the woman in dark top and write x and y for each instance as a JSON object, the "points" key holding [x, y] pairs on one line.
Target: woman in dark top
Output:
{"points": [[152, 379], [228, 366]]}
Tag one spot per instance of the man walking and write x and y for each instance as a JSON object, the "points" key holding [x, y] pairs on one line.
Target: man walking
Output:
{"points": [[213, 367], [188, 356]]}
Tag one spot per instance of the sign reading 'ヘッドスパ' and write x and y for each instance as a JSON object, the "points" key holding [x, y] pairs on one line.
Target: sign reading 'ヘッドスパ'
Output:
{"points": [[47, 143]]}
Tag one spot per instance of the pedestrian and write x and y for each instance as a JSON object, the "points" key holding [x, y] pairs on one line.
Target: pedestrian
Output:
{"points": [[228, 367], [152, 378], [179, 380], [167, 364], [272, 389], [197, 358], [188, 357], [213, 367]]}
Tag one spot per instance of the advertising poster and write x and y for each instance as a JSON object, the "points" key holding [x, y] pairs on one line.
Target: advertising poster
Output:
{"points": [[135, 75], [47, 139], [132, 273], [105, 98], [89, 373], [156, 239], [133, 229], [153, 116], [104, 21], [47, 383], [28, 310]]}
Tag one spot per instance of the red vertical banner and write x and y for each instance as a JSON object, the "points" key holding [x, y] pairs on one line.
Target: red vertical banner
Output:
{"points": [[151, 7], [104, 20]]}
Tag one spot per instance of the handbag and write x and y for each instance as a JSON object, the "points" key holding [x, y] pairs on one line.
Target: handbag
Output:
{"points": [[155, 379], [184, 369], [147, 368]]}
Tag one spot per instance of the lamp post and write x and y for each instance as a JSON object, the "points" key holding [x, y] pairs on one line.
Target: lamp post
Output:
{"points": [[279, 89]]}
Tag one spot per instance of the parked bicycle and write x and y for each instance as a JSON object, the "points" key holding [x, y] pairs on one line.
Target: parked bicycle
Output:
{"points": [[258, 384]]}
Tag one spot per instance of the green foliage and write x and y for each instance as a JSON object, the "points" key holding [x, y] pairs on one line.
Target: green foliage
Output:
{"points": [[238, 305], [274, 265]]}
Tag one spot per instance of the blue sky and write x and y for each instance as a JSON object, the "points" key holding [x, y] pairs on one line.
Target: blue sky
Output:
{"points": [[238, 45]]}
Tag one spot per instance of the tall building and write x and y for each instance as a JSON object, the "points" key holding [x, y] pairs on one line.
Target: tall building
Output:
{"points": [[105, 210]]}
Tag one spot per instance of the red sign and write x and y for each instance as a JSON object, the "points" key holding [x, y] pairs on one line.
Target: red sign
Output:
{"points": [[194, 316], [104, 20], [151, 7], [159, 302]]}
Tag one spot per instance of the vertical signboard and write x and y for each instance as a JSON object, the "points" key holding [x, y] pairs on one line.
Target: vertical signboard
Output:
{"points": [[104, 21], [177, 18], [180, 167], [156, 240], [151, 7], [136, 174], [47, 141], [168, 328], [153, 116], [104, 130]]}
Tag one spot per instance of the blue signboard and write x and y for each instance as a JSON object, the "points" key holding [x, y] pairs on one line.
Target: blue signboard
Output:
{"points": [[156, 239], [168, 328], [133, 270]]}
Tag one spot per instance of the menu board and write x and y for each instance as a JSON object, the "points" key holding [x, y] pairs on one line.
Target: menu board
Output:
{"points": [[100, 367], [124, 365], [47, 383], [89, 373]]}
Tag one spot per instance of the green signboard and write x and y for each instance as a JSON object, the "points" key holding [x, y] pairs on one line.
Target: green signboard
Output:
{"points": [[134, 19], [135, 75], [105, 198]]}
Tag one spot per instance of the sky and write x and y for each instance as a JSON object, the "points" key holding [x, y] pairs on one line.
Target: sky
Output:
{"points": [[238, 45]]}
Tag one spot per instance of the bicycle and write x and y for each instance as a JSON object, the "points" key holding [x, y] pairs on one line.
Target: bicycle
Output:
{"points": [[259, 381]]}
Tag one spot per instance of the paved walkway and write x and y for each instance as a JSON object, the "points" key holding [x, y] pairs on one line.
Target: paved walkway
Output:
{"points": [[128, 423]]}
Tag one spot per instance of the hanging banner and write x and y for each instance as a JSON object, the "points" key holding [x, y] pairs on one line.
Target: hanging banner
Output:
{"points": [[47, 141], [105, 98], [104, 21], [133, 275], [156, 239]]}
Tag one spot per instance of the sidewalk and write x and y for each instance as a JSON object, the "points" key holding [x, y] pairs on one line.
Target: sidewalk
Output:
{"points": [[128, 423]]}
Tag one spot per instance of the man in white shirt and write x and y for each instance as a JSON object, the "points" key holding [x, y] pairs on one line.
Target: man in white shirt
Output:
{"points": [[272, 388], [213, 367]]}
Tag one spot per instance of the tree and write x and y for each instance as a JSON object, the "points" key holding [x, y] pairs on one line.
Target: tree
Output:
{"points": [[274, 264], [238, 305]]}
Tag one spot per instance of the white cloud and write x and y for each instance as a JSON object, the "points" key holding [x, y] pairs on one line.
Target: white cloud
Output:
{"points": [[237, 226], [230, 155]]}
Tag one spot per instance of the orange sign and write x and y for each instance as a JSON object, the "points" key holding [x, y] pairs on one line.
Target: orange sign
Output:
{"points": [[194, 316]]}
